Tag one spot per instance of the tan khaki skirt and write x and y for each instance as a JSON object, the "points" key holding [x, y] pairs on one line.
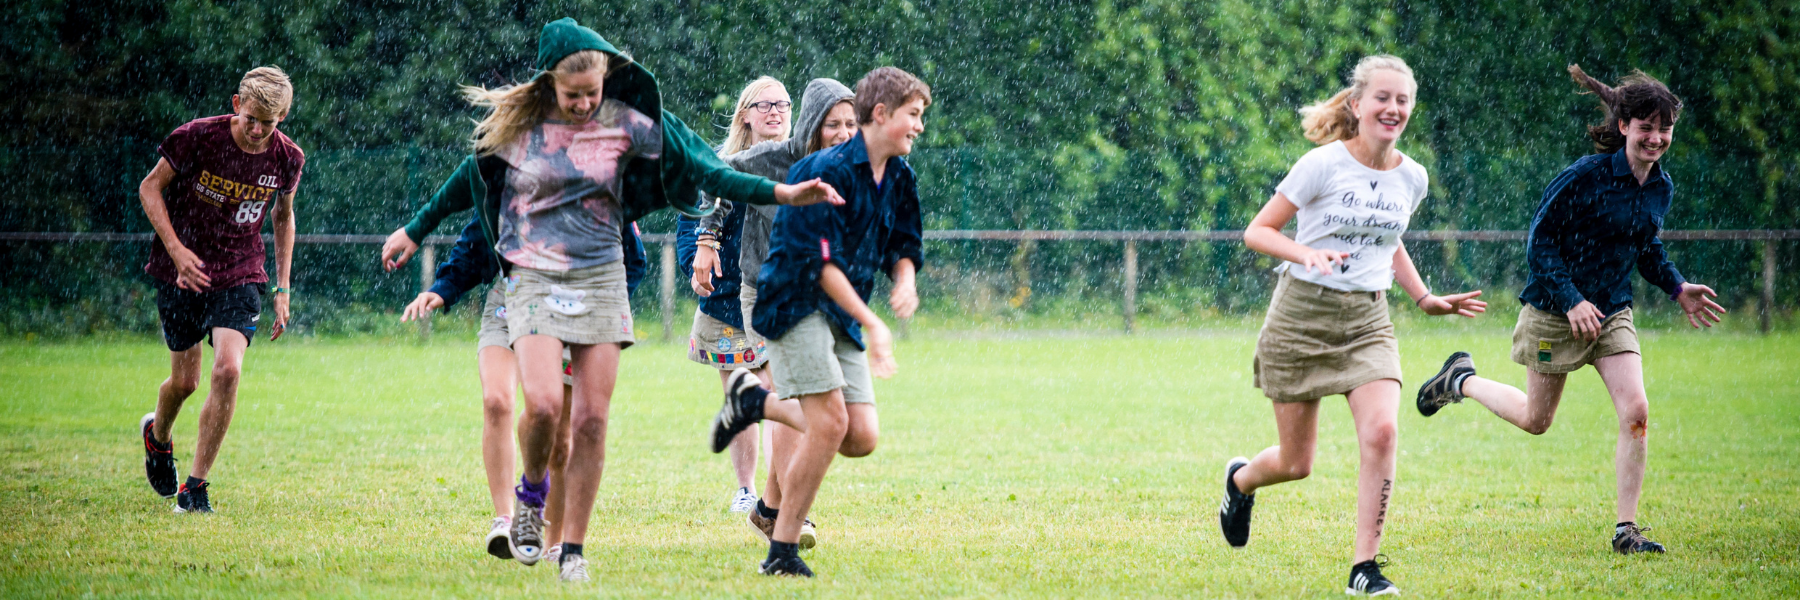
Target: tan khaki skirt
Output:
{"points": [[578, 306], [1318, 342], [1544, 342]]}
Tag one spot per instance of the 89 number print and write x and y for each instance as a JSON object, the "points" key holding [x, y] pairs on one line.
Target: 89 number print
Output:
{"points": [[249, 212]]}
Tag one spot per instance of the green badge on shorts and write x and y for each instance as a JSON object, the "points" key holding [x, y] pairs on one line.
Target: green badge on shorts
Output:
{"points": [[1543, 351]]}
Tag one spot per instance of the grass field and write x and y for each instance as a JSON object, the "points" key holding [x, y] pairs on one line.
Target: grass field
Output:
{"points": [[1019, 467]]}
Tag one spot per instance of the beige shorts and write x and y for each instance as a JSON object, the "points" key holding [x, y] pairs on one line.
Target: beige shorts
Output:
{"points": [[1318, 342], [713, 343], [1544, 341], [815, 357], [493, 328], [747, 300], [579, 306]]}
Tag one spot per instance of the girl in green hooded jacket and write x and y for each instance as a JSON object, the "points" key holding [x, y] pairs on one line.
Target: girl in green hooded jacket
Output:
{"points": [[560, 163]]}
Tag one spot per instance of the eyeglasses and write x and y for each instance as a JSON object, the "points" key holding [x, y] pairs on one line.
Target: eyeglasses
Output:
{"points": [[764, 107]]}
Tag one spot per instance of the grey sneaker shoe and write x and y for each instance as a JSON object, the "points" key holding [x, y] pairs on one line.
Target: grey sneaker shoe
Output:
{"points": [[1629, 539], [742, 408], [1441, 390], [574, 569], [527, 539], [743, 501]]}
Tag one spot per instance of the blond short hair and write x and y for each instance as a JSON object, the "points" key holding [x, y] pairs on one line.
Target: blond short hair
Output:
{"points": [[268, 87]]}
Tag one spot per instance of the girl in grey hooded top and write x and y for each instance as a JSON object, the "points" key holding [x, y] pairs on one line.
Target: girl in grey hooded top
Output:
{"points": [[771, 160]]}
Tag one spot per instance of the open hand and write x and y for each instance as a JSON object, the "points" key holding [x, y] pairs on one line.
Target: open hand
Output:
{"points": [[1464, 304], [398, 248], [281, 317], [1696, 301], [422, 306], [807, 192]]}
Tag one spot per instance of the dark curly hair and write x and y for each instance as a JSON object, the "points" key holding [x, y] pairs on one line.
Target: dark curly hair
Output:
{"points": [[1639, 96]]}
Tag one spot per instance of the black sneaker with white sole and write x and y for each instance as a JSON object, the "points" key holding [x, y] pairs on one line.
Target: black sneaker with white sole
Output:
{"points": [[193, 498], [743, 407], [786, 567], [1366, 579], [1628, 538], [1444, 388], [1234, 512], [159, 460]]}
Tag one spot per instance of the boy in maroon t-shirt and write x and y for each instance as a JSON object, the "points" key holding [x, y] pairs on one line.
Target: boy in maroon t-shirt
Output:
{"points": [[218, 178]]}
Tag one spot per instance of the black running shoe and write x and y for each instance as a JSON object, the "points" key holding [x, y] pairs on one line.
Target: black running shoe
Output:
{"points": [[1234, 512], [743, 408], [159, 460], [1440, 390], [786, 567], [1629, 539], [1366, 579], [193, 499]]}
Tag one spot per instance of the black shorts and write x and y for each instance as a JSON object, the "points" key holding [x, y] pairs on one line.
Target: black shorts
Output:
{"points": [[188, 317]]}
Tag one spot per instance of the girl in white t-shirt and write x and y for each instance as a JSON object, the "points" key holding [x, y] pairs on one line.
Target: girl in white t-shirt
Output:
{"points": [[1327, 330]]}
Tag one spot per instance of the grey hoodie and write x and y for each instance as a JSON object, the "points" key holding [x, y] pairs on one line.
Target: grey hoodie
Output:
{"points": [[771, 160]]}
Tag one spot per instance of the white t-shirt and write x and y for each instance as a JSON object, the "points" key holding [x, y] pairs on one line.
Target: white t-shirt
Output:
{"points": [[1349, 207]]}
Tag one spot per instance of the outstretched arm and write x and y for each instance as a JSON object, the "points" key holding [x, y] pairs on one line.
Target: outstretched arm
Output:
{"points": [[1407, 275]]}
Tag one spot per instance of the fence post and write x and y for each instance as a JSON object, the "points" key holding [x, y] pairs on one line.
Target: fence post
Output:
{"points": [[427, 266], [667, 291], [1130, 285], [1768, 281]]}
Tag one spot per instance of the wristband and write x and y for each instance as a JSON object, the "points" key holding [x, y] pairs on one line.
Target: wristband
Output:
{"points": [[280, 290], [1419, 303], [708, 243], [706, 231]]}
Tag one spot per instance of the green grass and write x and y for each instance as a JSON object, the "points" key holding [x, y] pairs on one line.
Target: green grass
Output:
{"points": [[1031, 466]]}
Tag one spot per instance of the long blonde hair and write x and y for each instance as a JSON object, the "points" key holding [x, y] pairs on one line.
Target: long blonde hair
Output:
{"points": [[741, 138], [1332, 120], [515, 109]]}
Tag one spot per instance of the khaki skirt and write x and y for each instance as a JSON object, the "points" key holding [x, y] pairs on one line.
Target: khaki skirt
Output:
{"points": [[578, 306], [1318, 342]]}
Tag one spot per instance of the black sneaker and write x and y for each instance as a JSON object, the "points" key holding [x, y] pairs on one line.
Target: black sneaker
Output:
{"points": [[1234, 512], [159, 460], [1629, 539], [1366, 579], [741, 410], [1440, 390], [785, 567], [193, 499]]}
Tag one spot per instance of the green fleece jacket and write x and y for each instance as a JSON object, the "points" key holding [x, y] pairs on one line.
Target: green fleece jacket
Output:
{"points": [[686, 167]]}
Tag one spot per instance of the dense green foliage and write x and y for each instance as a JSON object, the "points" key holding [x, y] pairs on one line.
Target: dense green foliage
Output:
{"points": [[353, 469], [1157, 114]]}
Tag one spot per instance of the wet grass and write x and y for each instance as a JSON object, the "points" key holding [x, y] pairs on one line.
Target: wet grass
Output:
{"points": [[1024, 467]]}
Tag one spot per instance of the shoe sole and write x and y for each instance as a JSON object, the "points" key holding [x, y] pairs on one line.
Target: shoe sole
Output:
{"points": [[142, 423], [1386, 592], [1230, 467], [500, 546], [1420, 400], [808, 539]]}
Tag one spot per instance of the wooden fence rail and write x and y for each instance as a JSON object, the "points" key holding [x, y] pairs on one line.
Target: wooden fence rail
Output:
{"points": [[1770, 239]]}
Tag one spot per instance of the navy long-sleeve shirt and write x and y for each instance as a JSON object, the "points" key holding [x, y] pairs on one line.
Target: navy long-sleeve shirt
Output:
{"points": [[876, 227], [1594, 225], [722, 304], [472, 262]]}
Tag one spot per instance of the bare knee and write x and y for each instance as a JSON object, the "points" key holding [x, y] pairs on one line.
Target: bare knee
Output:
{"points": [[588, 429], [1539, 423], [1634, 417], [859, 442], [832, 424], [496, 405], [1381, 439], [182, 387], [225, 374], [1297, 470]]}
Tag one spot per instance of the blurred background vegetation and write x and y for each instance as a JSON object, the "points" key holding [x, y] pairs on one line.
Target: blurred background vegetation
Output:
{"points": [[1151, 115]]}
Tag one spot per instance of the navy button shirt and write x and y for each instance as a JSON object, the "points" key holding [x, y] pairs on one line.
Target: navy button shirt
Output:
{"points": [[875, 227], [1594, 224]]}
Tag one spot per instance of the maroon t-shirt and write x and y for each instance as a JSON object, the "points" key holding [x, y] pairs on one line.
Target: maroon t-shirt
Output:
{"points": [[219, 199]]}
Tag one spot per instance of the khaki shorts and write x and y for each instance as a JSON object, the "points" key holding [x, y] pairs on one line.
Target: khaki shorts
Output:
{"points": [[815, 357], [715, 344], [579, 306], [747, 300], [1318, 342], [1544, 341], [493, 328]]}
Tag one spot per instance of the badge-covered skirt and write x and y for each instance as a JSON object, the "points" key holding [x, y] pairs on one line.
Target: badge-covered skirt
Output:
{"points": [[578, 306]]}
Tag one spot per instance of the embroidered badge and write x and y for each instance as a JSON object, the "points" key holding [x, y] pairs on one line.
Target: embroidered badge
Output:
{"points": [[1543, 351], [566, 301], [499, 312], [749, 355], [512, 283], [724, 344]]}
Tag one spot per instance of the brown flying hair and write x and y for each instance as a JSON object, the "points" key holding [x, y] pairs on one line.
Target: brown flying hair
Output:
{"points": [[888, 86], [1639, 96]]}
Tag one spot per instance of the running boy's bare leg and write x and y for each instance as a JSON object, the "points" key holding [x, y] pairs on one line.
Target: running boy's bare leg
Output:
{"points": [[184, 378], [826, 420], [221, 400]]}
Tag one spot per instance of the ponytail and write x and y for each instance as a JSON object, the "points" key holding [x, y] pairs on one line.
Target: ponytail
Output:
{"points": [[1639, 96], [1332, 120]]}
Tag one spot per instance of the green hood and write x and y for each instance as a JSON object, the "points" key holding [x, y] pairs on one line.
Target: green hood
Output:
{"points": [[626, 81]]}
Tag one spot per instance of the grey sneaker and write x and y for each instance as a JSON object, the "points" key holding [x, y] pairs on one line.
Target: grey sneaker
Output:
{"points": [[742, 408], [743, 501], [1441, 390], [1629, 539], [527, 539], [574, 569]]}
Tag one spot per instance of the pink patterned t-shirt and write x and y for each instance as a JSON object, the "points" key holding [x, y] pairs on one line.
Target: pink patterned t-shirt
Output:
{"points": [[560, 210]]}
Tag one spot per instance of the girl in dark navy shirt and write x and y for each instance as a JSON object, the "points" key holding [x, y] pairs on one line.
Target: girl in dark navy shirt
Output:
{"points": [[1599, 219]]}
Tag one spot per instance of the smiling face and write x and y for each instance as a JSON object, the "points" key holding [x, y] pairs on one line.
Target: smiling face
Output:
{"points": [[895, 130], [578, 95], [839, 125], [254, 124], [1647, 139], [1385, 107], [771, 125]]}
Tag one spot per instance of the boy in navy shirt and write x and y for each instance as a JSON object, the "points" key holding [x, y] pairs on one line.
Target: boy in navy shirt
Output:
{"points": [[814, 308]]}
